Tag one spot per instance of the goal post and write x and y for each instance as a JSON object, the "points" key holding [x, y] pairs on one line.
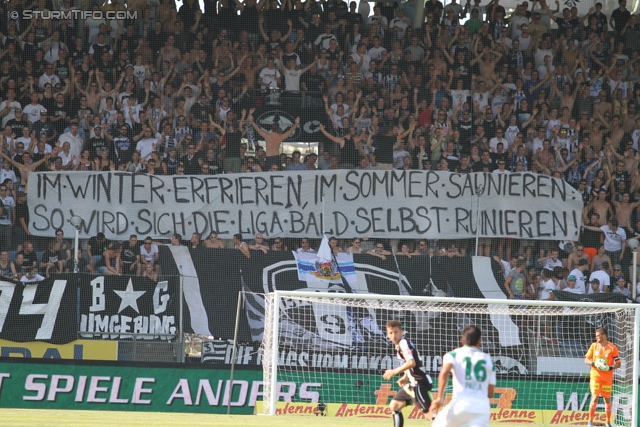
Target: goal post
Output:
{"points": [[333, 348]]}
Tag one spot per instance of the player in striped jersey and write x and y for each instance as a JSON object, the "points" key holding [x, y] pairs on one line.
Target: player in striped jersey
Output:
{"points": [[474, 380], [603, 357], [415, 383]]}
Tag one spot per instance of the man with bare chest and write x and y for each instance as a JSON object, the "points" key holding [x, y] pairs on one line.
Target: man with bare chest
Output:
{"points": [[273, 139], [624, 209], [602, 207]]}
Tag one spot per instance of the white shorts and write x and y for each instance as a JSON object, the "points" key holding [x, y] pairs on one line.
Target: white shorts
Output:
{"points": [[450, 416]]}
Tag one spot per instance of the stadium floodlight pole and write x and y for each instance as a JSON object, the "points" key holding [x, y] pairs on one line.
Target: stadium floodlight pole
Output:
{"points": [[76, 221], [479, 191], [234, 352]]}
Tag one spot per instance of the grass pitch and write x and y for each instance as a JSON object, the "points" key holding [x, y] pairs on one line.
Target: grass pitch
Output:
{"points": [[60, 418], [69, 418]]}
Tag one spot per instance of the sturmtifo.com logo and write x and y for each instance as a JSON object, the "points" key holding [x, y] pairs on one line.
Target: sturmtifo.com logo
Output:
{"points": [[74, 14]]}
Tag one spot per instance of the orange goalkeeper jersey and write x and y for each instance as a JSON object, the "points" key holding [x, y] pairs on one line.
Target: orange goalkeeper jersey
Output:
{"points": [[610, 354]]}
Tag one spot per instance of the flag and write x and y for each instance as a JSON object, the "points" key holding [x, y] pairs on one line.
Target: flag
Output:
{"points": [[320, 269]]}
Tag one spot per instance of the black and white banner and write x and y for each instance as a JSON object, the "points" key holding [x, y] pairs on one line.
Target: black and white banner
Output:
{"points": [[39, 311], [115, 307], [110, 307], [342, 203]]}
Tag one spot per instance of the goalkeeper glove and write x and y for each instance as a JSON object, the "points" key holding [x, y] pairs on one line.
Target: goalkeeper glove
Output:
{"points": [[605, 368]]}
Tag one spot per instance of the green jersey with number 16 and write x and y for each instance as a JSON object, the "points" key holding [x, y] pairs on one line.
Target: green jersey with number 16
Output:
{"points": [[473, 372]]}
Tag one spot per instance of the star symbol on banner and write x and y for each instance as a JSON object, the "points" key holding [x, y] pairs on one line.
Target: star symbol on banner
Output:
{"points": [[129, 298]]}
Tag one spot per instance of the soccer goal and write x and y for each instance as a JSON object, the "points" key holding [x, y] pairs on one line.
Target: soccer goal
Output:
{"points": [[329, 350]]}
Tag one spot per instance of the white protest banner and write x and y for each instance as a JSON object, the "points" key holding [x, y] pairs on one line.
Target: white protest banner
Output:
{"points": [[384, 204]]}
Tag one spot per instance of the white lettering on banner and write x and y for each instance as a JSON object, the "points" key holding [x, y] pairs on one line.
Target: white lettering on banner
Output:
{"points": [[305, 393], [95, 388], [139, 390], [82, 383], [181, 392], [286, 391], [115, 391], [99, 388], [98, 302], [2, 377], [386, 204], [619, 402], [220, 351], [205, 386], [32, 385], [160, 301], [121, 327], [48, 310], [572, 402], [6, 295], [56, 388]]}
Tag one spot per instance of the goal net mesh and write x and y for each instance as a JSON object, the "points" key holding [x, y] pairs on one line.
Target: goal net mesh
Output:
{"points": [[334, 349]]}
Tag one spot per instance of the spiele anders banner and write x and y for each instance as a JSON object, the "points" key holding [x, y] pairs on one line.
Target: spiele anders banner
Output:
{"points": [[346, 203], [180, 389]]}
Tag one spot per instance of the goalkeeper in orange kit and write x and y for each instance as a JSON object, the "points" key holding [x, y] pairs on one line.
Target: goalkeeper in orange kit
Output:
{"points": [[603, 357]]}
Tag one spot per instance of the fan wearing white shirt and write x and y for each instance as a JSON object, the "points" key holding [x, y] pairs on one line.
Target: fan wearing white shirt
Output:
{"points": [[68, 159], [551, 261], [74, 140], [376, 51], [146, 143], [32, 111], [379, 20], [269, 75], [361, 58], [292, 75], [501, 168], [8, 107], [399, 24], [132, 111], [52, 47], [7, 173], [493, 143], [25, 139], [578, 273], [547, 286], [48, 77]]}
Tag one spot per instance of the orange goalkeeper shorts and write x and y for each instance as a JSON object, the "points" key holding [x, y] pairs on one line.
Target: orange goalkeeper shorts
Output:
{"points": [[599, 389]]}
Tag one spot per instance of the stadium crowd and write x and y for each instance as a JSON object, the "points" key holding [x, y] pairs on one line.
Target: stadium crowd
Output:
{"points": [[475, 88]]}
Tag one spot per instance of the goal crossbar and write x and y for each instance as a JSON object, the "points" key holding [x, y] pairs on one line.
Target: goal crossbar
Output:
{"points": [[479, 301]]}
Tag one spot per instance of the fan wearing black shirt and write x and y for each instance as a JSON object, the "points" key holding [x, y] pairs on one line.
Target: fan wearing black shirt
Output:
{"points": [[98, 143], [385, 144], [18, 123], [60, 114], [190, 160], [130, 255]]}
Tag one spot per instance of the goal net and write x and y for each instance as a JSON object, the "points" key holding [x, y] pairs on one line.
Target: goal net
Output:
{"points": [[327, 351]]}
